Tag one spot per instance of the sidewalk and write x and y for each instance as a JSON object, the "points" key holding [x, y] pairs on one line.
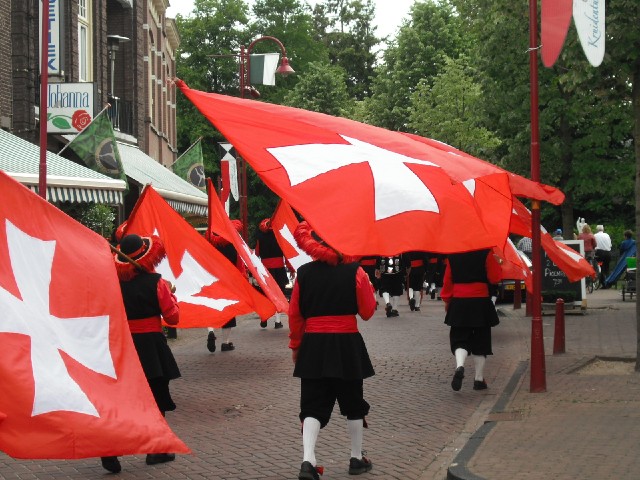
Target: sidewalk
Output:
{"points": [[587, 423]]}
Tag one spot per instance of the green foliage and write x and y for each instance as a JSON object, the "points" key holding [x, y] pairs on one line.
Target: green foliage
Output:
{"points": [[452, 110], [322, 89], [98, 217]]}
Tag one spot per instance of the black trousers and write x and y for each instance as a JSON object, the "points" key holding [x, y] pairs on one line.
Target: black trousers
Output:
{"points": [[319, 395]]}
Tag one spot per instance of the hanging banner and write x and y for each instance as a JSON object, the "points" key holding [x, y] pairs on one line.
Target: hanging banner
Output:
{"points": [[588, 16], [69, 107], [555, 19]]}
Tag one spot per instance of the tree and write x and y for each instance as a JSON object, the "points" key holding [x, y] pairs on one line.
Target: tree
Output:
{"points": [[452, 110], [322, 89], [433, 33], [346, 28]]}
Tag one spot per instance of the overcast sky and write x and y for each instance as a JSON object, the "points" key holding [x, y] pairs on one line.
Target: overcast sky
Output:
{"points": [[389, 13]]}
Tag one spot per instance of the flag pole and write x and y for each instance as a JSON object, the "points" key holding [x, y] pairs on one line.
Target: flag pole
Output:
{"points": [[93, 120], [538, 382], [186, 151], [42, 113]]}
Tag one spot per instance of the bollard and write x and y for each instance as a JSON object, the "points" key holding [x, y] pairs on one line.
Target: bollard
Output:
{"points": [[558, 335], [517, 296]]}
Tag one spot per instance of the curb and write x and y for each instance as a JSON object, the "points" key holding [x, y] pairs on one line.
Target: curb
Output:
{"points": [[458, 469]]}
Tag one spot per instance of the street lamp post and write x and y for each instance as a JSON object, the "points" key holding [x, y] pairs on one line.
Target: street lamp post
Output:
{"points": [[283, 69]]}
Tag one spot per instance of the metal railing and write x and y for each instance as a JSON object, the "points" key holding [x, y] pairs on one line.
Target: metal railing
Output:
{"points": [[121, 115]]}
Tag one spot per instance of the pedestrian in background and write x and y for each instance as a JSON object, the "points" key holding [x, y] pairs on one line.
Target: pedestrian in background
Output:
{"points": [[229, 251], [273, 259], [525, 245], [329, 354], [603, 253], [148, 299], [390, 273], [628, 244], [557, 235], [590, 243], [416, 262], [470, 313]]}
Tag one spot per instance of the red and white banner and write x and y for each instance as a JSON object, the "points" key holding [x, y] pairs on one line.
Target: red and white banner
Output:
{"points": [[209, 288], [555, 19], [72, 385], [221, 225], [367, 190], [284, 223]]}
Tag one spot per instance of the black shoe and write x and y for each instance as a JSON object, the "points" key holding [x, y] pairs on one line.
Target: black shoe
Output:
{"points": [[357, 466], [456, 383], [211, 342], [433, 294], [263, 324], [226, 347], [111, 463], [154, 458], [172, 332], [308, 472], [394, 313], [412, 304], [278, 325], [479, 385], [417, 309], [388, 309]]}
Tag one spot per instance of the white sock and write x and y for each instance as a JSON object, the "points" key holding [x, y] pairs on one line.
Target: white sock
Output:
{"points": [[226, 333], [394, 303], [461, 356], [385, 296], [479, 361], [416, 296], [355, 429], [278, 319], [310, 431], [410, 293]]}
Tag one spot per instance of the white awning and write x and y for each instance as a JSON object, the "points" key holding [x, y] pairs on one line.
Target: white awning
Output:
{"points": [[180, 194], [66, 181]]}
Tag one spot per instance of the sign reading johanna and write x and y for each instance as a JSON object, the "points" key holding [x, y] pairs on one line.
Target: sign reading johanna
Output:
{"points": [[69, 107], [555, 283]]}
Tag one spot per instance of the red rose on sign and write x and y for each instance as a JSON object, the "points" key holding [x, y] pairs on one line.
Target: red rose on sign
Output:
{"points": [[80, 119]]}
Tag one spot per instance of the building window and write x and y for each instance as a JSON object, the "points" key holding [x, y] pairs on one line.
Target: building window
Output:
{"points": [[85, 45]]}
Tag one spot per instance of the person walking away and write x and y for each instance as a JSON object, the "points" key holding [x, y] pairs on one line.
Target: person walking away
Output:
{"points": [[470, 313], [603, 253], [628, 244], [390, 273], [329, 354], [434, 274], [148, 299], [269, 251], [415, 278], [590, 242], [229, 251]]}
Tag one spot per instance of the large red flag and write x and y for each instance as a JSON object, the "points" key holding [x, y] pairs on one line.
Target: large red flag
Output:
{"points": [[284, 223], [366, 190], [72, 385], [210, 290], [221, 225], [555, 18]]}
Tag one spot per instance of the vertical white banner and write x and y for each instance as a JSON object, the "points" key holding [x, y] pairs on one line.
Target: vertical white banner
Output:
{"points": [[588, 16], [53, 42]]}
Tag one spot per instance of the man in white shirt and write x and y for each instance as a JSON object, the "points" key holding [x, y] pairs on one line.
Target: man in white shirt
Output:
{"points": [[603, 252]]}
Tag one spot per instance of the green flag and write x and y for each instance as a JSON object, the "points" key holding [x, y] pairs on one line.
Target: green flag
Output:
{"points": [[96, 146], [190, 166], [263, 68]]}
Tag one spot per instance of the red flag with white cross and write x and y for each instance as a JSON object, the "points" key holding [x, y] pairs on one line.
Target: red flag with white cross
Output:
{"points": [[72, 384], [284, 223], [364, 189], [209, 288]]}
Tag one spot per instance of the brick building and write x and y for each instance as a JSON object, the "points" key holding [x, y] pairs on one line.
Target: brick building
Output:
{"points": [[124, 49]]}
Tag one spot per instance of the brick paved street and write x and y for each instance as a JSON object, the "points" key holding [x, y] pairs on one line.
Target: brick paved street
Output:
{"points": [[238, 410]]}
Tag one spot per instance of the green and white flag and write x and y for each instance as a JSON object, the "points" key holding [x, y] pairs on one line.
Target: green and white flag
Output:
{"points": [[190, 166], [263, 68], [97, 148]]}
